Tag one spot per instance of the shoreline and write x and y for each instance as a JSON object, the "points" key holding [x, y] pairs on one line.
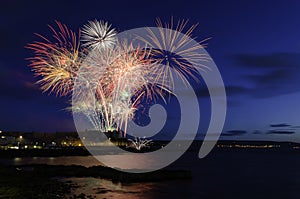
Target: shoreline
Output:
{"points": [[53, 181]]}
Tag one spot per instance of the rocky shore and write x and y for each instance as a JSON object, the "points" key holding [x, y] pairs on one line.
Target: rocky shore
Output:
{"points": [[41, 181]]}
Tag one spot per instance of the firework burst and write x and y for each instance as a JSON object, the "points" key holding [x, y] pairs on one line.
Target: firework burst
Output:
{"points": [[98, 34], [108, 78], [119, 73], [171, 46], [56, 62]]}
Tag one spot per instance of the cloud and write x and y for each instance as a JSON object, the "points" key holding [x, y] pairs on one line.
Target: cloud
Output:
{"points": [[230, 91], [271, 77], [236, 90], [273, 60], [281, 132], [275, 73], [280, 125], [234, 133], [274, 83], [257, 132], [267, 84]]}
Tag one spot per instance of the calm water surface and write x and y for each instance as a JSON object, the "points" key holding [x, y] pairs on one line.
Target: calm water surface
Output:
{"points": [[87, 161], [230, 174]]}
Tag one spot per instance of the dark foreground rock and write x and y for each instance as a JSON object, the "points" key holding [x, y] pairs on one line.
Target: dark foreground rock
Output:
{"points": [[40, 181]]}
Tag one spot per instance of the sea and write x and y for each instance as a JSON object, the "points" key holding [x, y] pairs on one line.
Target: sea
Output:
{"points": [[223, 174]]}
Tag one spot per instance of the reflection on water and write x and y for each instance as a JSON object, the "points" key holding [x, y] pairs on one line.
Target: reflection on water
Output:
{"points": [[101, 188], [86, 161], [226, 175], [125, 161]]}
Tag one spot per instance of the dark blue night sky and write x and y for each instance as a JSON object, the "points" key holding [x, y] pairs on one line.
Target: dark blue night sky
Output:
{"points": [[255, 44]]}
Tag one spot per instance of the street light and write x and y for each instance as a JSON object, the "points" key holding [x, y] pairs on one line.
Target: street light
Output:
{"points": [[20, 140]]}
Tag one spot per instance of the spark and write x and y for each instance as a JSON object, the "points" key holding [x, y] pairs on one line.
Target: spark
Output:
{"points": [[109, 80], [171, 46], [122, 71], [98, 34], [56, 62], [139, 143]]}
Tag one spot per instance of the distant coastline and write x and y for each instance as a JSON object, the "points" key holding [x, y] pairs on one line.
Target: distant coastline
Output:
{"points": [[222, 145]]}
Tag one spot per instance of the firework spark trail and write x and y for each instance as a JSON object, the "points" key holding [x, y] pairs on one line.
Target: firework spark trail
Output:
{"points": [[178, 46], [139, 143], [56, 62], [112, 78], [123, 78], [98, 34], [117, 74]]}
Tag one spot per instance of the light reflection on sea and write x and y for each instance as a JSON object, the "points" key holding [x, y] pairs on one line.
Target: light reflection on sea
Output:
{"points": [[100, 188], [230, 174], [86, 161]]}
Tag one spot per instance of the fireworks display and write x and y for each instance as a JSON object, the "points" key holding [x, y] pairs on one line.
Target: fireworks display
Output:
{"points": [[98, 34], [56, 62], [118, 75], [178, 53]]}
